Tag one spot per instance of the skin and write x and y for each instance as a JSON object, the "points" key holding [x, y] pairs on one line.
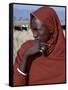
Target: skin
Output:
{"points": [[39, 30]]}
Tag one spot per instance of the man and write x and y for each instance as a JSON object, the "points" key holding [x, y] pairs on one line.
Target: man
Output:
{"points": [[42, 61]]}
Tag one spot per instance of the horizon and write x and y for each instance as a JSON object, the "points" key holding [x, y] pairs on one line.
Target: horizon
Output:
{"points": [[23, 11]]}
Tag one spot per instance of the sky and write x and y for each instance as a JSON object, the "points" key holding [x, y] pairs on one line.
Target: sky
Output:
{"points": [[20, 10]]}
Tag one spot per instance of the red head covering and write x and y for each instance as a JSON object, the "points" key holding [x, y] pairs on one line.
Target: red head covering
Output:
{"points": [[55, 61], [50, 19]]}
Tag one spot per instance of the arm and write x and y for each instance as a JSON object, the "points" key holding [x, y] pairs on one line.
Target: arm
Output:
{"points": [[18, 76], [20, 66]]}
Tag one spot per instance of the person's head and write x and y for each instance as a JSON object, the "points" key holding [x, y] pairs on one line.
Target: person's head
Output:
{"points": [[39, 30], [44, 23]]}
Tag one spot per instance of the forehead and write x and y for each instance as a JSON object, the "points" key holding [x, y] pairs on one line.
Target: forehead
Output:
{"points": [[36, 23], [35, 20]]}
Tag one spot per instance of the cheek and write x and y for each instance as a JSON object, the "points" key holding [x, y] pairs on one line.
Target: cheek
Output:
{"points": [[44, 35], [41, 32]]}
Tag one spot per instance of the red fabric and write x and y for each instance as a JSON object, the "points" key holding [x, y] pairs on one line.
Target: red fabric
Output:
{"points": [[50, 69]]}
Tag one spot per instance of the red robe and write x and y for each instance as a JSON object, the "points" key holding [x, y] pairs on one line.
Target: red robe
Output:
{"points": [[42, 69]]}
